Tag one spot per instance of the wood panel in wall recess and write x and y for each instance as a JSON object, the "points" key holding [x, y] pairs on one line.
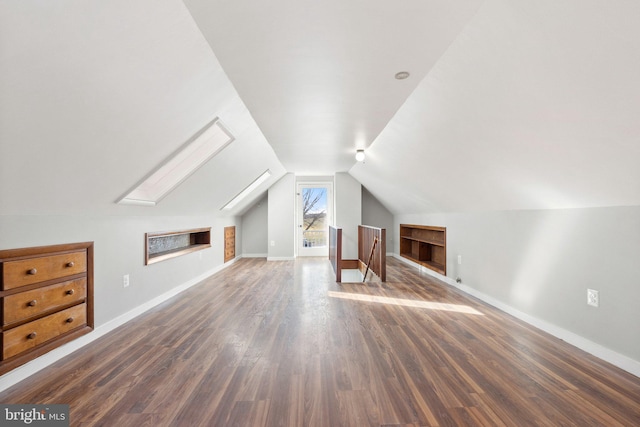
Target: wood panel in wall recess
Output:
{"points": [[229, 243]]}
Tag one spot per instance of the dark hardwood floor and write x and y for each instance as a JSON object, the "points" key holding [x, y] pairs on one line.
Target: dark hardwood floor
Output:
{"points": [[281, 344]]}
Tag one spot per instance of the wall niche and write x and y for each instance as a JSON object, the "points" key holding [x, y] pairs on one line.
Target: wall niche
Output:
{"points": [[161, 246]]}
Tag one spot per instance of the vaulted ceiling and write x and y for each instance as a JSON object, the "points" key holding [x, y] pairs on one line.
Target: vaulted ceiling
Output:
{"points": [[318, 76], [509, 105], [533, 106]]}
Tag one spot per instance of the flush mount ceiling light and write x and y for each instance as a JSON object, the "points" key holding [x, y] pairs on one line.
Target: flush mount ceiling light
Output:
{"points": [[402, 75], [248, 189], [360, 155], [180, 165]]}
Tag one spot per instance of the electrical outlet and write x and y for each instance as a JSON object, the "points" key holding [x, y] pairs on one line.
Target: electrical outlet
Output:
{"points": [[273, 243], [125, 280], [593, 298], [459, 259]]}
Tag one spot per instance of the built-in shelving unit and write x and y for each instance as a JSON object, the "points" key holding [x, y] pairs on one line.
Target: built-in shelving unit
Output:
{"points": [[170, 244], [425, 245]]}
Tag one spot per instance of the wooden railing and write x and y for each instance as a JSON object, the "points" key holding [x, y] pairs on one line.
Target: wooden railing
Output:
{"points": [[372, 260], [335, 251]]}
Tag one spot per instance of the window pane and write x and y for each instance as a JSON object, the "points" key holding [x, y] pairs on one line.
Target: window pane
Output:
{"points": [[314, 214]]}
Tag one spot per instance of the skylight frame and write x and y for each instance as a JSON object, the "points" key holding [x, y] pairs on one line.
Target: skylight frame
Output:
{"points": [[180, 165], [247, 190]]}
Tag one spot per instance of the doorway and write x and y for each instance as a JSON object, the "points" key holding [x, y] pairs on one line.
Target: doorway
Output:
{"points": [[314, 216]]}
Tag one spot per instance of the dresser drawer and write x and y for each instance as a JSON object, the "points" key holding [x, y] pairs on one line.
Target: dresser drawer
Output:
{"points": [[29, 335], [28, 304], [34, 270]]}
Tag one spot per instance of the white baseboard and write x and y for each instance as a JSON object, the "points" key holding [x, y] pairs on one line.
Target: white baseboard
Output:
{"points": [[621, 361], [22, 372], [254, 255]]}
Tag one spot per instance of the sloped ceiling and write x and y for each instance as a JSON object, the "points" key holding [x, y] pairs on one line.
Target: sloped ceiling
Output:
{"points": [[95, 95], [318, 76], [510, 105], [534, 106]]}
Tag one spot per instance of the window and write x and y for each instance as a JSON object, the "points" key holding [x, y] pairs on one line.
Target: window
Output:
{"points": [[179, 166]]}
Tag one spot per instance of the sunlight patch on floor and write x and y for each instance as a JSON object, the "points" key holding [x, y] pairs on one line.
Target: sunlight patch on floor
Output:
{"points": [[406, 302]]}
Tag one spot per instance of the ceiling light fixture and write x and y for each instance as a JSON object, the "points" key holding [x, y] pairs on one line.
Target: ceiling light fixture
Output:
{"points": [[360, 155], [401, 75]]}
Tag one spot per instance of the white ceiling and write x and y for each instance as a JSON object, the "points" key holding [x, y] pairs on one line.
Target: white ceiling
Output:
{"points": [[96, 95], [534, 106], [318, 76], [511, 104]]}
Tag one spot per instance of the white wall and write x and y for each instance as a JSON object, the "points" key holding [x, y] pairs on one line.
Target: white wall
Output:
{"points": [[348, 208], [254, 229], [281, 219], [376, 214], [541, 263], [119, 250]]}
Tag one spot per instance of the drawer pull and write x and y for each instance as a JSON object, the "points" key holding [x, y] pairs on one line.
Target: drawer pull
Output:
{"points": [[70, 292], [70, 264], [32, 303], [32, 272], [69, 320], [31, 336]]}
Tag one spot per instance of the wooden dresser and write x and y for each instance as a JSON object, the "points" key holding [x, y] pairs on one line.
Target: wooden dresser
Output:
{"points": [[46, 295], [229, 243]]}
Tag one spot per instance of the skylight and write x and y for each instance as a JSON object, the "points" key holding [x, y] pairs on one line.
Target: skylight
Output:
{"points": [[248, 190], [180, 165]]}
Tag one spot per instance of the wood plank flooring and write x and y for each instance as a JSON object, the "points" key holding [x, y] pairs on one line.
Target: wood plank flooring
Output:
{"points": [[281, 344]]}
